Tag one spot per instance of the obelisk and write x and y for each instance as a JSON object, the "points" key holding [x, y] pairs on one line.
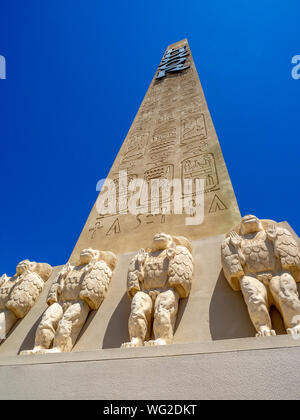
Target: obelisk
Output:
{"points": [[172, 137]]}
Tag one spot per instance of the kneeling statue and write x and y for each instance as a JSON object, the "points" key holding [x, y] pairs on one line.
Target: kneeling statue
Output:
{"points": [[156, 280], [262, 259], [78, 290]]}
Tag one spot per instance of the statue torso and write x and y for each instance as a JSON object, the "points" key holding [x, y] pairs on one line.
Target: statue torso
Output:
{"points": [[73, 284], [156, 270], [259, 254]]}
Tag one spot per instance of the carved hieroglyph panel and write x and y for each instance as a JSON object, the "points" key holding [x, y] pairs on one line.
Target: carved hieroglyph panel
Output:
{"points": [[122, 195], [162, 143], [161, 173], [135, 148], [193, 129], [201, 167]]}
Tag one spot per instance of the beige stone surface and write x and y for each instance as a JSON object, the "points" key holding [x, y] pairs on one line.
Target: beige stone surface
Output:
{"points": [[78, 290], [249, 368], [262, 259], [172, 137], [156, 280]]}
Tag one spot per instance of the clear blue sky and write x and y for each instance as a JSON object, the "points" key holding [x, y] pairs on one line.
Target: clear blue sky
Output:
{"points": [[77, 72]]}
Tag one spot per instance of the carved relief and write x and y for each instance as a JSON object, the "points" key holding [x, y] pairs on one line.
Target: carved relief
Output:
{"points": [[156, 280], [217, 205], [19, 293], [162, 143], [164, 172], [263, 261], [114, 228], [192, 106], [135, 147], [169, 101], [150, 106], [195, 148], [122, 194], [192, 128], [160, 172], [144, 116], [78, 290], [167, 115], [96, 226], [201, 167], [149, 219]]}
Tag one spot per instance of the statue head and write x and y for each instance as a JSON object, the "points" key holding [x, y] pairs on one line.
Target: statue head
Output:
{"points": [[161, 241], [110, 259], [250, 224], [23, 266], [88, 255]]}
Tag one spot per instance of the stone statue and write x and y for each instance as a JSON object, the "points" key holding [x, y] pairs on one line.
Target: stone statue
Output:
{"points": [[263, 261], [78, 290], [156, 280], [19, 293]]}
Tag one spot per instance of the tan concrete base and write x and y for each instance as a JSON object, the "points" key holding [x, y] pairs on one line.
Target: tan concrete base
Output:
{"points": [[264, 368]]}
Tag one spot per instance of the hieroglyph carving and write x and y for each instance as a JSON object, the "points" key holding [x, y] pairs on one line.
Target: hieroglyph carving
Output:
{"points": [[156, 280], [263, 261], [201, 167], [19, 293], [78, 290], [193, 129], [135, 147], [162, 143]]}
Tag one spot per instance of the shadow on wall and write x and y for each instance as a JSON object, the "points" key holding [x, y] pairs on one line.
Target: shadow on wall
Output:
{"points": [[181, 308], [28, 342], [229, 316], [11, 331], [90, 318], [117, 329]]}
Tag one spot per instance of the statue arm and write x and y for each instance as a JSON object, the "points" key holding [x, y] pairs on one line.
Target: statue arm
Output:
{"points": [[232, 260], [56, 288], [135, 273], [181, 267], [54, 293], [95, 285], [287, 251]]}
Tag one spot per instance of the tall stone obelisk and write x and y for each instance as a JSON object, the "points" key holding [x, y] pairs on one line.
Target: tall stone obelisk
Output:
{"points": [[172, 137]]}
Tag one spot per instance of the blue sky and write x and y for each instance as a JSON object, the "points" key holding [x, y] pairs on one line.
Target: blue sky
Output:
{"points": [[77, 72]]}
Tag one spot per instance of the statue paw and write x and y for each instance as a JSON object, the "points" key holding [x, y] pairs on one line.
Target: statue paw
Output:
{"points": [[265, 332], [53, 350], [294, 332], [36, 350], [158, 342], [135, 342]]}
